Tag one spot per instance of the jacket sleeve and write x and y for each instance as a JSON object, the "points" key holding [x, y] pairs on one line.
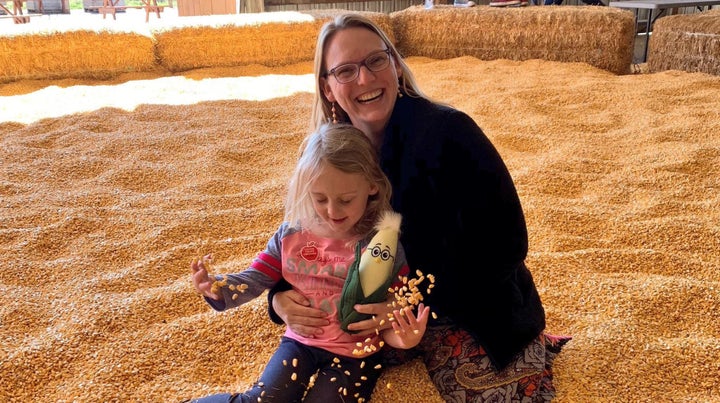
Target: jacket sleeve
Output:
{"points": [[281, 285]]}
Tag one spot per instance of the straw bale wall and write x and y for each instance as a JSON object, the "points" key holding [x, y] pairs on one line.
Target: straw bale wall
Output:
{"points": [[269, 39], [600, 36], [383, 6], [689, 42], [78, 53]]}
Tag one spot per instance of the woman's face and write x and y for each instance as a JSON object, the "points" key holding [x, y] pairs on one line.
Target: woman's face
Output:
{"points": [[370, 98]]}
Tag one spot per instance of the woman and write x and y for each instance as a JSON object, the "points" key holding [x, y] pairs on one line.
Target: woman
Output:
{"points": [[462, 220]]}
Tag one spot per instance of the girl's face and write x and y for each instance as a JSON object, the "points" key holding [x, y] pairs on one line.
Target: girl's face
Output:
{"points": [[339, 199], [370, 98]]}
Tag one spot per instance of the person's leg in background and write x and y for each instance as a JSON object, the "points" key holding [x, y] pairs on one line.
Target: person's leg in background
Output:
{"points": [[548, 2]]}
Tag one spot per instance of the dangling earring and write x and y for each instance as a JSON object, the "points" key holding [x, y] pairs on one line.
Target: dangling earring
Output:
{"points": [[334, 116], [400, 95]]}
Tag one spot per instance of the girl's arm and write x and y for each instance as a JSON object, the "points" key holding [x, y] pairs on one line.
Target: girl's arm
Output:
{"points": [[231, 290]]}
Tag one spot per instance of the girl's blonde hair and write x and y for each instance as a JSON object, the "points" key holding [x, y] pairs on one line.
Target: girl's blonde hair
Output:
{"points": [[347, 149], [322, 108]]}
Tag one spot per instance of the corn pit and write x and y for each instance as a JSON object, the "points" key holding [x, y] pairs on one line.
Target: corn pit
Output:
{"points": [[101, 212]]}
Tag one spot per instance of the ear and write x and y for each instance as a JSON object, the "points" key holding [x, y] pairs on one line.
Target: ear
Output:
{"points": [[326, 89], [373, 190]]}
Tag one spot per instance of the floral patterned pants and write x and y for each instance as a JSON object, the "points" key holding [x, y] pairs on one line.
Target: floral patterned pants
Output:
{"points": [[462, 372]]}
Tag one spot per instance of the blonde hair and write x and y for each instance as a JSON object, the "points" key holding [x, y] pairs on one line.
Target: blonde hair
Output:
{"points": [[321, 106], [347, 149]]}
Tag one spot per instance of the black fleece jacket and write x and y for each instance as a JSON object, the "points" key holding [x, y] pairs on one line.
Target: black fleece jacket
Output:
{"points": [[463, 223]]}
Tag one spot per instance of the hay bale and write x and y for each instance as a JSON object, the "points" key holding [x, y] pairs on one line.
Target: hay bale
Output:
{"points": [[688, 42], [96, 51], [269, 39], [383, 20], [600, 36]]}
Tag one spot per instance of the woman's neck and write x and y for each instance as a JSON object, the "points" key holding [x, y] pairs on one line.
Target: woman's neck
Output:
{"points": [[375, 135], [375, 132], [377, 139]]}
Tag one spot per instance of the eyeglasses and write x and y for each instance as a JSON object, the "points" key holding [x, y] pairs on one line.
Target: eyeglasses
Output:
{"points": [[346, 73]]}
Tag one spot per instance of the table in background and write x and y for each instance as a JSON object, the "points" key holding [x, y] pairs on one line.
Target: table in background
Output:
{"points": [[150, 6], [659, 6], [17, 13]]}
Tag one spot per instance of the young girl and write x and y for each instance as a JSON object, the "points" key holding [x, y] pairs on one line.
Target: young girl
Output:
{"points": [[335, 196]]}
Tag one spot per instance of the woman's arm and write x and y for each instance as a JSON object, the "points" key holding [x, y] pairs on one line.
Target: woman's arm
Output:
{"points": [[293, 309]]}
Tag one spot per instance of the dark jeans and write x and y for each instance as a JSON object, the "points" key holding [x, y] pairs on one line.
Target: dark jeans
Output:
{"points": [[287, 377]]}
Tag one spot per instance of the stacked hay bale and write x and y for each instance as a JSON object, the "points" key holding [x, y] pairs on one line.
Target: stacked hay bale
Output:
{"points": [[269, 39], [93, 51], [600, 36], [105, 50], [689, 42]]}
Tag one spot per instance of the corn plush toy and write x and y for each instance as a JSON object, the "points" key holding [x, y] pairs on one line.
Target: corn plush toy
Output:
{"points": [[371, 274]]}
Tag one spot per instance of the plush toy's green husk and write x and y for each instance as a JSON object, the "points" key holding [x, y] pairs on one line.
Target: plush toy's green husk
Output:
{"points": [[352, 293]]}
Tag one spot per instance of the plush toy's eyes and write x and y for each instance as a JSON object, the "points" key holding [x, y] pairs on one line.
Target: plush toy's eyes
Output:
{"points": [[383, 254]]}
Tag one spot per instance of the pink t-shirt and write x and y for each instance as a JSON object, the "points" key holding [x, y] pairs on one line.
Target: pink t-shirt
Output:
{"points": [[317, 267]]}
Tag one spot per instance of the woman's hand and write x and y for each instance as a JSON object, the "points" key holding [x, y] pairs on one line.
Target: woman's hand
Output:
{"points": [[202, 281], [295, 310], [380, 312], [407, 330]]}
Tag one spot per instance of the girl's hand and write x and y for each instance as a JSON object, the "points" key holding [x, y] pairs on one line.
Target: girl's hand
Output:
{"points": [[202, 281], [407, 330]]}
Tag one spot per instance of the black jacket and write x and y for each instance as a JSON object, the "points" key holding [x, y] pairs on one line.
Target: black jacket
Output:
{"points": [[463, 223]]}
